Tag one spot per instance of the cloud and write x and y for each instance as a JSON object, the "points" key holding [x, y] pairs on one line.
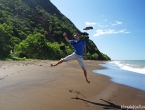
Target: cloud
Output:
{"points": [[127, 32], [90, 23], [116, 23], [99, 25], [109, 31], [107, 25]]}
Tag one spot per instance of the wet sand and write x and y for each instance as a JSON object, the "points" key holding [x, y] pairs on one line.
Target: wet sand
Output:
{"points": [[34, 85]]}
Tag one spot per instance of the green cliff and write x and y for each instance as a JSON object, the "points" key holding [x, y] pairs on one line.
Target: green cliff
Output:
{"points": [[34, 28]]}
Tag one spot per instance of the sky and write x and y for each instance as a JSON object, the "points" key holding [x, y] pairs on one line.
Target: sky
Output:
{"points": [[118, 25]]}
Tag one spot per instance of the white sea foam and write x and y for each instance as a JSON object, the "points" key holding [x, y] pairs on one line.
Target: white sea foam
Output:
{"points": [[130, 66]]}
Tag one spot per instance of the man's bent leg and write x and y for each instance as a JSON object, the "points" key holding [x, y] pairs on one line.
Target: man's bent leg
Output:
{"points": [[60, 61]]}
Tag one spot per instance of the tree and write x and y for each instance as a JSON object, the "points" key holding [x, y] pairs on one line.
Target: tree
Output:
{"points": [[95, 56], [34, 46], [5, 42]]}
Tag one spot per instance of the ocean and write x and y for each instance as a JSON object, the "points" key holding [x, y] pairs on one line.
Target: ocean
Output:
{"points": [[126, 72]]}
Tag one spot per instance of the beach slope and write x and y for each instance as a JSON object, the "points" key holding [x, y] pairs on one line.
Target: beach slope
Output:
{"points": [[34, 85]]}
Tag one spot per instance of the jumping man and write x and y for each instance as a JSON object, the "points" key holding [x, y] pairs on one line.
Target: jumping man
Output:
{"points": [[79, 50]]}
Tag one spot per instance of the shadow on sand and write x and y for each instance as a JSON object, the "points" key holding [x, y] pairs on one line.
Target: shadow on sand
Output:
{"points": [[109, 105]]}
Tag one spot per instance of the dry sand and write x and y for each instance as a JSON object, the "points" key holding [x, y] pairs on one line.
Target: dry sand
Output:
{"points": [[34, 85]]}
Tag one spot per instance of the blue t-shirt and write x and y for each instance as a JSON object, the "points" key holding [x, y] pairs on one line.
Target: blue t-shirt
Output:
{"points": [[78, 46]]}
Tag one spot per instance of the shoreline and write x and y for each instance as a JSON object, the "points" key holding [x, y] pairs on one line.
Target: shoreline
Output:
{"points": [[34, 85], [124, 77]]}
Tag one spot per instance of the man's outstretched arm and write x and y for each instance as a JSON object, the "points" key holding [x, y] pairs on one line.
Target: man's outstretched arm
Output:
{"points": [[65, 36]]}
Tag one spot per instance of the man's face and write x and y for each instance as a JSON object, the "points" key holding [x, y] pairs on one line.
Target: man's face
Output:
{"points": [[77, 37]]}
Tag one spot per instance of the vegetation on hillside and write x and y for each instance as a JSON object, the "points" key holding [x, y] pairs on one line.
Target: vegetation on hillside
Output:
{"points": [[34, 28]]}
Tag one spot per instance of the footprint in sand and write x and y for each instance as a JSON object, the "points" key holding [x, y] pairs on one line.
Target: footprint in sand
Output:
{"points": [[71, 90], [1, 78], [77, 93], [6, 76]]}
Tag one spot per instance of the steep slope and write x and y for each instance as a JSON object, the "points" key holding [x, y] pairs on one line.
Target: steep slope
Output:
{"points": [[34, 29]]}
